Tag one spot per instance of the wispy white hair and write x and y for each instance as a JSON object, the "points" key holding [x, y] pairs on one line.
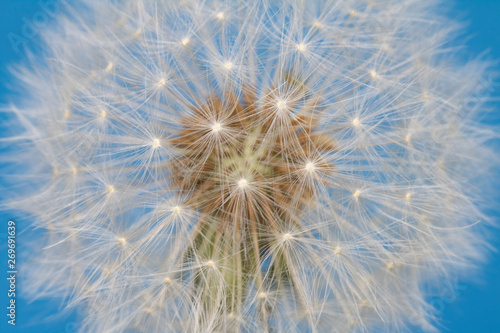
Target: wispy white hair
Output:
{"points": [[396, 210]]}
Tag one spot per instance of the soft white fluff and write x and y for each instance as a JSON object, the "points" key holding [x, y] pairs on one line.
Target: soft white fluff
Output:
{"points": [[398, 207]]}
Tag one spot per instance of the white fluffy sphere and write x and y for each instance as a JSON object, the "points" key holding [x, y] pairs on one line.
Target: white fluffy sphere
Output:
{"points": [[250, 166]]}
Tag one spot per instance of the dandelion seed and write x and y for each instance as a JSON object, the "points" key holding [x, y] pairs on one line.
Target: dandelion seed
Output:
{"points": [[176, 210], [356, 122], [111, 189], [185, 41], [373, 74], [221, 16], [228, 65], [242, 183], [287, 237], [168, 280], [122, 240], [216, 127], [338, 250], [310, 167], [301, 47], [318, 24], [356, 194], [110, 67], [210, 264], [156, 143], [282, 105], [162, 83]]}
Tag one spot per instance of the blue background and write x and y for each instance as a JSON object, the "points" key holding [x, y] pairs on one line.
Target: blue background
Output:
{"points": [[462, 308]]}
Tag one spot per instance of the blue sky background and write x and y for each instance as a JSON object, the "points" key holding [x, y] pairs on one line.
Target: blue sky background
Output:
{"points": [[463, 306]]}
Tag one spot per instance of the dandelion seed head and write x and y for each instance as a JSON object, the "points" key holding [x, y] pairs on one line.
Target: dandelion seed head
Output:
{"points": [[283, 130]]}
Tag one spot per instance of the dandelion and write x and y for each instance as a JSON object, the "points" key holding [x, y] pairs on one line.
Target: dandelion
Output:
{"points": [[318, 181]]}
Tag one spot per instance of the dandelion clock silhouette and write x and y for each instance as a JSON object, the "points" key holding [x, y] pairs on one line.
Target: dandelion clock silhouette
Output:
{"points": [[249, 166]]}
